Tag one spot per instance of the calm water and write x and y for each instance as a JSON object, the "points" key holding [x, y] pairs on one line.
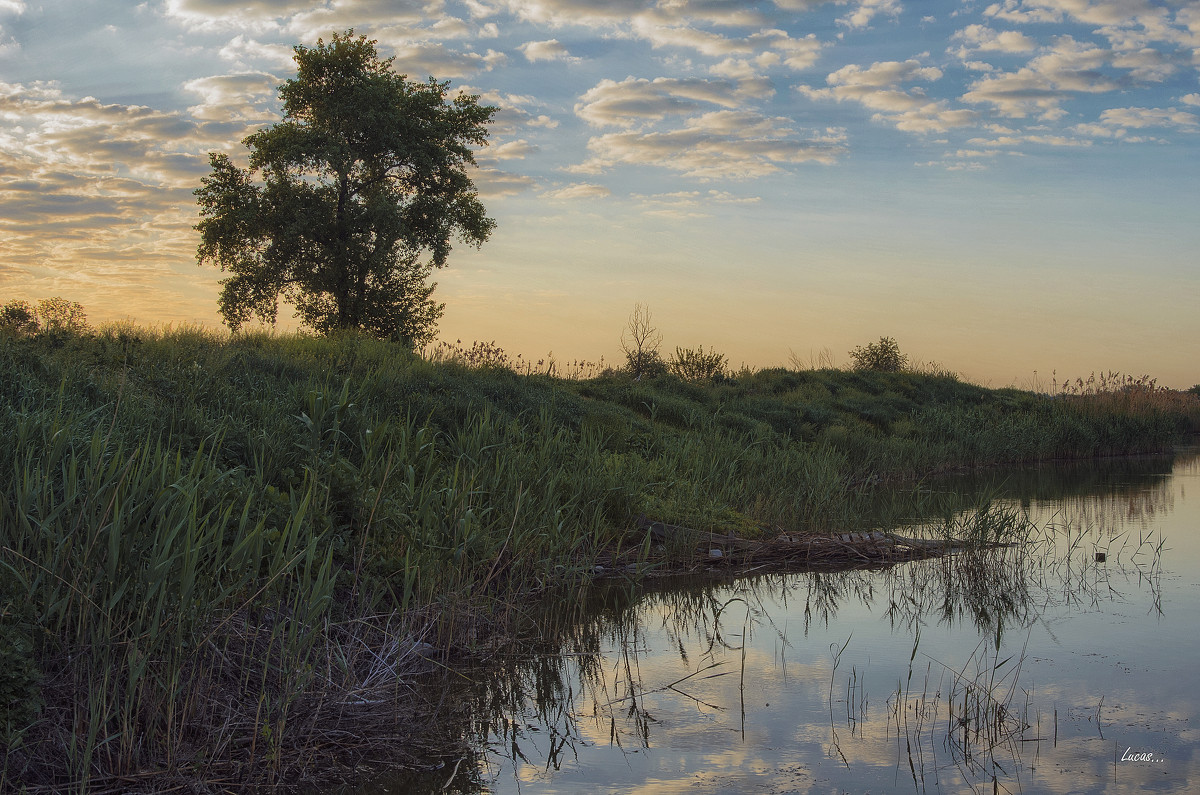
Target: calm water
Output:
{"points": [[1031, 670]]}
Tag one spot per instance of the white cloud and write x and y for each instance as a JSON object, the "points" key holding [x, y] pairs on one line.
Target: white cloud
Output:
{"points": [[579, 190], [421, 59], [717, 145], [981, 38], [690, 204], [1023, 139], [253, 15], [492, 183], [867, 10], [1146, 64], [244, 52], [1129, 25], [1016, 11], [95, 196], [934, 117], [397, 17], [512, 119], [778, 46], [1138, 118], [549, 50], [248, 97], [883, 73], [512, 150], [878, 87], [1043, 84], [576, 12], [638, 100]]}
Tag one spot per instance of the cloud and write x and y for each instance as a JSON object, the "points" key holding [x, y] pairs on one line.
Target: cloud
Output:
{"points": [[1129, 25], [933, 117], [981, 38], [618, 12], [1140, 118], [98, 195], [771, 46], [678, 24], [1146, 64], [878, 87], [419, 60], [512, 150], [1116, 123], [579, 190], [721, 144], [256, 15], [248, 97], [492, 183], [1017, 11], [638, 100], [1034, 138], [304, 18], [244, 52], [513, 118], [576, 12], [690, 204], [867, 10], [1042, 85], [549, 50], [883, 73]]}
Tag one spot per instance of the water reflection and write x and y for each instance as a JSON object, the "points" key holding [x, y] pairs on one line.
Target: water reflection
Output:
{"points": [[1061, 664]]}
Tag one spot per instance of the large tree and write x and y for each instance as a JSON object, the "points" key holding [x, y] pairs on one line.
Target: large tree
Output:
{"points": [[349, 202]]}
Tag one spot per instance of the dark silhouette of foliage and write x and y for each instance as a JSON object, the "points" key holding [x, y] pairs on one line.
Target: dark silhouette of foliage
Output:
{"points": [[18, 317], [59, 314], [696, 364], [883, 357], [52, 315], [349, 202], [640, 342]]}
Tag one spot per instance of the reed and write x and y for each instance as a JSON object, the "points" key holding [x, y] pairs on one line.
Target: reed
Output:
{"points": [[218, 553]]}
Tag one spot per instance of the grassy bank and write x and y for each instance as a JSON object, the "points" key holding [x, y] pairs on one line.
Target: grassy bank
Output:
{"points": [[220, 559]]}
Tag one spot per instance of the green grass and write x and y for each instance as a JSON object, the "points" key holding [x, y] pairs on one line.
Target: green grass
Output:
{"points": [[214, 551]]}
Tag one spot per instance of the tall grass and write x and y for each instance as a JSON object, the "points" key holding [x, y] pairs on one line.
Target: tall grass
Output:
{"points": [[221, 555]]}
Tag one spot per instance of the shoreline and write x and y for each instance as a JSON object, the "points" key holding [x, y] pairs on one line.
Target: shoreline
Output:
{"points": [[224, 557]]}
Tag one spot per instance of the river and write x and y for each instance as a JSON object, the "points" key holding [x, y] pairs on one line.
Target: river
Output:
{"points": [[1068, 664]]}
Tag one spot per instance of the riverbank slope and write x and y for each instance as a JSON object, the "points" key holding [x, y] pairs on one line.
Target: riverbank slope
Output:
{"points": [[222, 557]]}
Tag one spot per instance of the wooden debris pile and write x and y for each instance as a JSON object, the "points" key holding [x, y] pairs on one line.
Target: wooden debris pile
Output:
{"points": [[802, 549]]}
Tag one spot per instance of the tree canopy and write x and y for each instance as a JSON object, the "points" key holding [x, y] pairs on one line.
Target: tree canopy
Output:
{"points": [[351, 201]]}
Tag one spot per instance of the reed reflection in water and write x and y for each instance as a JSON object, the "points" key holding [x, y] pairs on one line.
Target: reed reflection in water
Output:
{"points": [[1064, 663]]}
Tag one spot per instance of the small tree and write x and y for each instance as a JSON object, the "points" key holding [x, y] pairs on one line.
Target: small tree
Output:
{"points": [[351, 201], [694, 364], [18, 317], [883, 356], [640, 342], [59, 314]]}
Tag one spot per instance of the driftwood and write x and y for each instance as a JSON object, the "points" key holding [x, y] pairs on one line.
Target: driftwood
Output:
{"points": [[837, 549]]}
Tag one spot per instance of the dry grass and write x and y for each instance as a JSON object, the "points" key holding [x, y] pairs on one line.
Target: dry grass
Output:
{"points": [[1114, 393]]}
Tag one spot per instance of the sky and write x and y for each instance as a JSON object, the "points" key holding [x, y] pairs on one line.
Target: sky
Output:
{"points": [[1009, 189]]}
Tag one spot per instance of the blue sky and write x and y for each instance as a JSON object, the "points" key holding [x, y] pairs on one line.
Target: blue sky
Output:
{"points": [[1004, 187]]}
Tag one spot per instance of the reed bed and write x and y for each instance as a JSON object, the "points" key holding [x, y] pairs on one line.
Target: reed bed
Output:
{"points": [[224, 559]]}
